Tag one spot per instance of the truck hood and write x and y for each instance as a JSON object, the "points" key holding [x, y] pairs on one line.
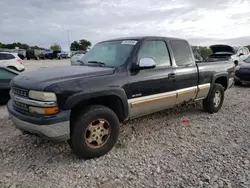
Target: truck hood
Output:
{"points": [[222, 48], [38, 80]]}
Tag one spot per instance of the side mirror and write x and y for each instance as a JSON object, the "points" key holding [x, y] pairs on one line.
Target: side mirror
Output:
{"points": [[241, 54], [147, 63]]}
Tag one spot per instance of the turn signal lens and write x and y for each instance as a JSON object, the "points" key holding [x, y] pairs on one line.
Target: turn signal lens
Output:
{"points": [[47, 111], [51, 110]]}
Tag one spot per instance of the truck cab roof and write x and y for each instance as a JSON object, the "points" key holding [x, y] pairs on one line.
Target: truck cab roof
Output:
{"points": [[143, 38]]}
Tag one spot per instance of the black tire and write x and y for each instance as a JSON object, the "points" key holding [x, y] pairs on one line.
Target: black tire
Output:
{"points": [[208, 104], [28, 58], [80, 126], [36, 58]]}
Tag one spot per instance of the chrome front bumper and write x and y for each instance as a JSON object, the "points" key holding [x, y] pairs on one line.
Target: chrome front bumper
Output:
{"points": [[58, 131]]}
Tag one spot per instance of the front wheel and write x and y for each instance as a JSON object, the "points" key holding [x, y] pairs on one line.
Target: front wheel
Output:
{"points": [[94, 132], [214, 101]]}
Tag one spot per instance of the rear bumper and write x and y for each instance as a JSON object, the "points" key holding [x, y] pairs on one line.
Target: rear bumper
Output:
{"points": [[56, 127]]}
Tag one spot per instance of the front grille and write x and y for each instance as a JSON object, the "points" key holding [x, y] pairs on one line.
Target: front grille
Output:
{"points": [[21, 106], [20, 92]]}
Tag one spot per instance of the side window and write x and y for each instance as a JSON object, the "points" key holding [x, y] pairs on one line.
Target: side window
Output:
{"points": [[182, 52], [9, 56], [156, 50], [4, 74]]}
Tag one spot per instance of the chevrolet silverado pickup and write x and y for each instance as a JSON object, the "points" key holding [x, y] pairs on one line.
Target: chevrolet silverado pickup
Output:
{"points": [[117, 80]]}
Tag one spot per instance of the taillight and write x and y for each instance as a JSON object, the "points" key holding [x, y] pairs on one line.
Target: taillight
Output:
{"points": [[19, 61]]}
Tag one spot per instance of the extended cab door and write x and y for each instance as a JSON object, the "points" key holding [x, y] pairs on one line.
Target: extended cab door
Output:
{"points": [[153, 89], [185, 70]]}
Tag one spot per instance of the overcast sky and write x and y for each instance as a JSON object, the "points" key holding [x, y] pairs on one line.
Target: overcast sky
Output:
{"points": [[202, 22]]}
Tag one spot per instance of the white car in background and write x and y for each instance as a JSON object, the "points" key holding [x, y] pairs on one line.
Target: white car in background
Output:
{"points": [[225, 52], [12, 61], [75, 57]]}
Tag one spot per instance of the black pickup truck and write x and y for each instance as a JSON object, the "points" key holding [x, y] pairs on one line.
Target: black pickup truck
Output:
{"points": [[119, 79]]}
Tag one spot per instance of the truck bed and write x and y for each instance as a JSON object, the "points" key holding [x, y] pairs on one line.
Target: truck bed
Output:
{"points": [[208, 70]]}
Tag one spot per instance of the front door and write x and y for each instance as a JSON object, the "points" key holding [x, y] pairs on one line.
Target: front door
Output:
{"points": [[152, 90]]}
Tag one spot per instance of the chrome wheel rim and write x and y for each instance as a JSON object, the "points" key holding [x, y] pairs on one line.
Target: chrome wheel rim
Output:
{"points": [[97, 133], [217, 99]]}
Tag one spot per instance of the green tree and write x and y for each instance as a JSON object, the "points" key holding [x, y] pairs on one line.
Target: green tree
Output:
{"points": [[55, 47], [81, 45], [84, 44], [203, 50], [74, 46]]}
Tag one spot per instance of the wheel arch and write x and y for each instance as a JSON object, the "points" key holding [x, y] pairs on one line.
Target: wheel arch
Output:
{"points": [[115, 100], [221, 79]]}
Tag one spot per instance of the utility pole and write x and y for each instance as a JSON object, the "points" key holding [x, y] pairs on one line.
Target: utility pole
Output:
{"points": [[68, 40]]}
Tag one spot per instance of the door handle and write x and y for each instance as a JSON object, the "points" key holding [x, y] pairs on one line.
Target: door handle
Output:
{"points": [[171, 75]]}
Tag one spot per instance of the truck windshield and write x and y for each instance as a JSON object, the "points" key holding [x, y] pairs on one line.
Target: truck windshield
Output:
{"points": [[110, 54]]}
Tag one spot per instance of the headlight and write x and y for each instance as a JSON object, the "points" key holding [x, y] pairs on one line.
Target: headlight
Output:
{"points": [[47, 111], [42, 96]]}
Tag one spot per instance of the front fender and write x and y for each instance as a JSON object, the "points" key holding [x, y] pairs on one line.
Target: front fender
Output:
{"points": [[76, 98]]}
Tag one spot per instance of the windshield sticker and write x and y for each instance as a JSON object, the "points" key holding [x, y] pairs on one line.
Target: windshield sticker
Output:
{"points": [[130, 42]]}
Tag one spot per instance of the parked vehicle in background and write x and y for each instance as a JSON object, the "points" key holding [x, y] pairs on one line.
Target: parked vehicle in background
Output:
{"points": [[5, 50], [20, 52], [77, 56], [119, 79], [74, 59], [62, 55], [6, 75], [45, 54], [11, 61], [54, 54], [225, 52], [242, 73], [33, 54]]}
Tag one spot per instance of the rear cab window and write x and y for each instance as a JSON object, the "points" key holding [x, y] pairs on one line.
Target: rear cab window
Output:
{"points": [[182, 52], [156, 49]]}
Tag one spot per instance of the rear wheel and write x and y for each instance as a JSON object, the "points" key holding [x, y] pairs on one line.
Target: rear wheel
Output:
{"points": [[214, 101], [28, 58], [94, 132]]}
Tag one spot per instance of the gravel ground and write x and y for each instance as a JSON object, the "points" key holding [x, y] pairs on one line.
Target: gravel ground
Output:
{"points": [[210, 150]]}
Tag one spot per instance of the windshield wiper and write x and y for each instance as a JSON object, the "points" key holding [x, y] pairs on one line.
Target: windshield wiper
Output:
{"points": [[101, 64]]}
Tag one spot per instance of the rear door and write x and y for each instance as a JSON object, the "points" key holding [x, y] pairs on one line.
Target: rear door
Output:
{"points": [[154, 89], [185, 70]]}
